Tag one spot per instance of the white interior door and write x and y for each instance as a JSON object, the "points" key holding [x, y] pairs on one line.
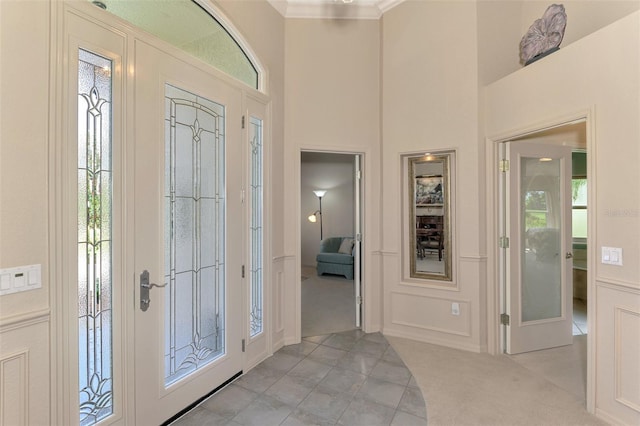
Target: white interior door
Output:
{"points": [[357, 281], [188, 233], [539, 264]]}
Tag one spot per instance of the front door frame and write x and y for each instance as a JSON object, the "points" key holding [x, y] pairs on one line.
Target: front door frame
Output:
{"points": [[495, 331], [62, 390]]}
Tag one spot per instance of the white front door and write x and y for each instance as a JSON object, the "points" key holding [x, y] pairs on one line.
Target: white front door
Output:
{"points": [[188, 233], [539, 288]]}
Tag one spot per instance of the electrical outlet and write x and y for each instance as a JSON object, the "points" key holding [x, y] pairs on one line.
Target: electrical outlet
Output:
{"points": [[455, 308]]}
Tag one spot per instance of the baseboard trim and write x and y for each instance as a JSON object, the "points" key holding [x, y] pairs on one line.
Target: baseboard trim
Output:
{"points": [[435, 341]]}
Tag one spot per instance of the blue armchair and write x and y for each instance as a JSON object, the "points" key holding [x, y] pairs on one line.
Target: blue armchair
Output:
{"points": [[336, 256]]}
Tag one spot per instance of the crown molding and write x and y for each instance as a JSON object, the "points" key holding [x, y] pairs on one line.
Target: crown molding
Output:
{"points": [[330, 9]]}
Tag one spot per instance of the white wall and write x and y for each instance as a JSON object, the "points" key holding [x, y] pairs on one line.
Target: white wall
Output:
{"points": [[598, 75], [430, 103], [332, 93], [24, 196]]}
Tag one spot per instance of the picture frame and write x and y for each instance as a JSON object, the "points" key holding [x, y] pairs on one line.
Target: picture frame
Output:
{"points": [[429, 191]]}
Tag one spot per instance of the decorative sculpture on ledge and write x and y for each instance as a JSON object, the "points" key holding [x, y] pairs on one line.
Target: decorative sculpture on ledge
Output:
{"points": [[544, 35]]}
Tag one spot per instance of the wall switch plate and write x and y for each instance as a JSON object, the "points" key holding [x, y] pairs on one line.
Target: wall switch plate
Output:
{"points": [[612, 256], [455, 308], [21, 278]]}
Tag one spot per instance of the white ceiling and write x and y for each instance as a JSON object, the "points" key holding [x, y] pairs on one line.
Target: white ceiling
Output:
{"points": [[337, 9]]}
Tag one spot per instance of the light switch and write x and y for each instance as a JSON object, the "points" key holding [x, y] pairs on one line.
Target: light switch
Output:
{"points": [[5, 281], [21, 278], [612, 256], [18, 280], [34, 277]]}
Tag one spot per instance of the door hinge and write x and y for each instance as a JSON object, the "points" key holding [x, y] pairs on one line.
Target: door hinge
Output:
{"points": [[242, 271], [243, 121], [503, 166], [359, 237], [243, 345], [504, 319], [359, 300], [359, 174], [504, 242]]}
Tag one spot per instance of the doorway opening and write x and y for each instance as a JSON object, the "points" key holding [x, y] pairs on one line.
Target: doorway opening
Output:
{"points": [[563, 364], [330, 243]]}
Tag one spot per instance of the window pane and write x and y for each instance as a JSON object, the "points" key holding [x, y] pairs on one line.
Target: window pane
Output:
{"points": [[256, 226], [187, 26], [541, 280], [579, 223], [94, 237], [579, 192], [194, 232]]}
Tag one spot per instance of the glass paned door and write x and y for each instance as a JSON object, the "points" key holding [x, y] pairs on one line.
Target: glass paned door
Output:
{"points": [[539, 264], [188, 233], [541, 221]]}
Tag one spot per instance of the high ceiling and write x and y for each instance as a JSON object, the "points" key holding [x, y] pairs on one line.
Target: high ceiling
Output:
{"points": [[340, 9]]}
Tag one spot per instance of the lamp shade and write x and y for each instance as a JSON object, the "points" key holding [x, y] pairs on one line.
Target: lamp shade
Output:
{"points": [[320, 193]]}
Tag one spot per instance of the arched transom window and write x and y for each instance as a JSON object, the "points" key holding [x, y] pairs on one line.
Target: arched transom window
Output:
{"points": [[191, 26]]}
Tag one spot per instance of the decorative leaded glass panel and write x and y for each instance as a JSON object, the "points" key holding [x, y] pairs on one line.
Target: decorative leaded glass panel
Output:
{"points": [[194, 232], [256, 226], [188, 26], [94, 237]]}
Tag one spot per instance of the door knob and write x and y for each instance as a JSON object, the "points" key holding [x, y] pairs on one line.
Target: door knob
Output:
{"points": [[569, 255], [145, 287]]}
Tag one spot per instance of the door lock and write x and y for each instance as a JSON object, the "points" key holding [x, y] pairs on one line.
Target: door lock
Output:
{"points": [[145, 287]]}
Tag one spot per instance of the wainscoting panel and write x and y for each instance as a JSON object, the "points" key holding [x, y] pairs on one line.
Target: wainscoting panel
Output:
{"points": [[277, 302], [423, 310], [431, 313], [618, 365], [627, 359], [24, 370], [14, 398]]}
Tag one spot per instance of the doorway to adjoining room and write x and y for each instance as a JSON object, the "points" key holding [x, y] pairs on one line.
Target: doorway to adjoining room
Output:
{"points": [[329, 246], [566, 366]]}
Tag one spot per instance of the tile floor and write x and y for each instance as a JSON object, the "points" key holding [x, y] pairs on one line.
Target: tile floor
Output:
{"points": [[579, 317], [348, 378]]}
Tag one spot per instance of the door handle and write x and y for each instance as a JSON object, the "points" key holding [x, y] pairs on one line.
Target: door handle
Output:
{"points": [[145, 287], [569, 255]]}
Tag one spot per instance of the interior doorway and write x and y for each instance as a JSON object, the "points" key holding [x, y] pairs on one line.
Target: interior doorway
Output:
{"points": [[330, 240], [565, 366]]}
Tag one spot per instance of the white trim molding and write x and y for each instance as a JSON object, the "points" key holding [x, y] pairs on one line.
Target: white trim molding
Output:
{"points": [[333, 9]]}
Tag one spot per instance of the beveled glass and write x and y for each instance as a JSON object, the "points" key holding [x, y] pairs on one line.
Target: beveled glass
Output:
{"points": [[94, 195], [194, 233], [256, 227]]}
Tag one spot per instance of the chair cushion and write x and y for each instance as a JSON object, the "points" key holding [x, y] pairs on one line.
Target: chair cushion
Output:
{"points": [[345, 259], [346, 246], [330, 245]]}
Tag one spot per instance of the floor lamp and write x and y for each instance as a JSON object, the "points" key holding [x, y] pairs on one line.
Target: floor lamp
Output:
{"points": [[314, 217]]}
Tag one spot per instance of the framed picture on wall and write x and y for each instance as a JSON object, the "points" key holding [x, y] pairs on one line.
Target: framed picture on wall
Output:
{"points": [[429, 190]]}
